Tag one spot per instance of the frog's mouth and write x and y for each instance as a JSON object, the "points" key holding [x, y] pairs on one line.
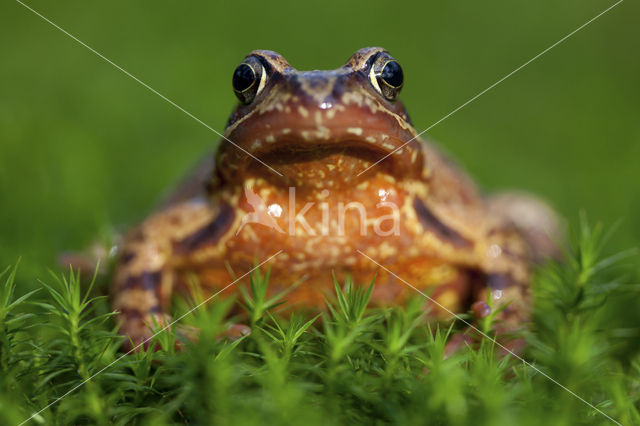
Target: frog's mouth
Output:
{"points": [[344, 159], [295, 151], [327, 163], [309, 145]]}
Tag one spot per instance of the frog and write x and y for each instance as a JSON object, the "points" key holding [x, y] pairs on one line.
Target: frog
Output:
{"points": [[322, 175]]}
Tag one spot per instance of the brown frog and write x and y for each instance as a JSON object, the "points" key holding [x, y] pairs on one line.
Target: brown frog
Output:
{"points": [[288, 179]]}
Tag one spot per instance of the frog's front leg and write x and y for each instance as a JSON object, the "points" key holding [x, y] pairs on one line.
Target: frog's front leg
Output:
{"points": [[151, 256], [501, 290], [525, 232], [500, 306]]}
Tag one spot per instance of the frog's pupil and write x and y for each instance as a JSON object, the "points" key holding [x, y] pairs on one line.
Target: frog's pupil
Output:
{"points": [[392, 74], [243, 78]]}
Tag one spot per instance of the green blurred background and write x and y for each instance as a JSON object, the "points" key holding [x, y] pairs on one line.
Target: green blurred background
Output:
{"points": [[84, 148]]}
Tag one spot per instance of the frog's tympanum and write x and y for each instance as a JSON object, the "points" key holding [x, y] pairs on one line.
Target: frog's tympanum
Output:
{"points": [[288, 178]]}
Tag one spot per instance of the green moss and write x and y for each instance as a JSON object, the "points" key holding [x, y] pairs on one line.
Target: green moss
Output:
{"points": [[61, 364]]}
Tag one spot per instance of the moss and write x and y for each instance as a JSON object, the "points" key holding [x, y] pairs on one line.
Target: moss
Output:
{"points": [[61, 364]]}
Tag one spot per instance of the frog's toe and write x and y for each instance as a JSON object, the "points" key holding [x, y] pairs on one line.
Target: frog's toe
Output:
{"points": [[456, 343], [140, 330], [233, 331], [236, 331], [506, 344]]}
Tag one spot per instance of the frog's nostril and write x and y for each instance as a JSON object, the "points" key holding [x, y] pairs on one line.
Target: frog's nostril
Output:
{"points": [[317, 85]]}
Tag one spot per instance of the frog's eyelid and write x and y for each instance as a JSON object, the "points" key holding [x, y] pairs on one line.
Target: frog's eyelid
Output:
{"points": [[374, 80], [263, 80]]}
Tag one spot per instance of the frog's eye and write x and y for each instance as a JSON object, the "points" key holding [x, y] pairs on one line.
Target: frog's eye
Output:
{"points": [[248, 80], [386, 76]]}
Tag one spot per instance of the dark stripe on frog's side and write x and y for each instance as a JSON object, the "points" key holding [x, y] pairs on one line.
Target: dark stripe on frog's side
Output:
{"points": [[127, 257], [431, 222], [145, 281], [135, 314], [209, 234], [499, 281]]}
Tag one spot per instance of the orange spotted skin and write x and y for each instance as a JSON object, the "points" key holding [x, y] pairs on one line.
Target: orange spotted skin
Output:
{"points": [[320, 130]]}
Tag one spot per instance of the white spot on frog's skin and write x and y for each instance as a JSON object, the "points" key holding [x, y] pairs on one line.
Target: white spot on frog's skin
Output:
{"points": [[354, 97], [370, 139], [388, 146], [274, 210], [389, 178], [323, 132], [494, 251], [387, 250], [270, 139], [414, 155], [373, 106], [334, 252], [318, 117], [256, 144], [383, 194], [331, 113], [303, 111], [286, 131], [354, 130]]}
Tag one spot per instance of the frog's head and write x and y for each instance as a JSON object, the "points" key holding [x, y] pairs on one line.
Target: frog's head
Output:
{"points": [[319, 128]]}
